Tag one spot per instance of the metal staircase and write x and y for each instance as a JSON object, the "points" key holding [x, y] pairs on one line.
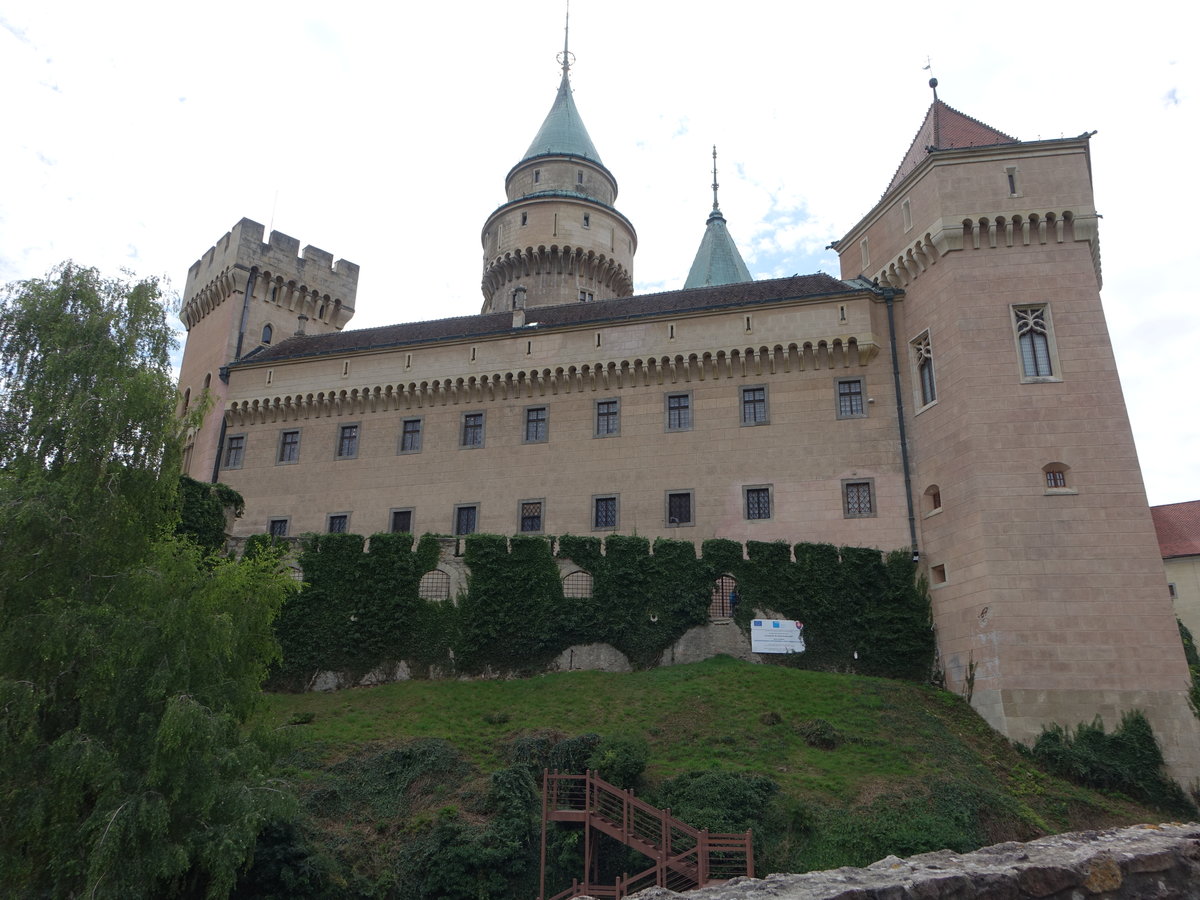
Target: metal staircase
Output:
{"points": [[684, 858]]}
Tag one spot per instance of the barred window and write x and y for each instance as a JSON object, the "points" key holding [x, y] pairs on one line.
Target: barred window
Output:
{"points": [[401, 521], [434, 585], [577, 586], [338, 523], [758, 503], [531, 515], [277, 527], [858, 502], [604, 512], [679, 508]]}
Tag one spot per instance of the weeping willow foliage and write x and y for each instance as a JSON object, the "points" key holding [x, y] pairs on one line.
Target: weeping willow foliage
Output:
{"points": [[130, 659]]}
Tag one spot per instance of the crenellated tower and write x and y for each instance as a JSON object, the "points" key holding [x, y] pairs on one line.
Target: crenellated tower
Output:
{"points": [[242, 295], [559, 236]]}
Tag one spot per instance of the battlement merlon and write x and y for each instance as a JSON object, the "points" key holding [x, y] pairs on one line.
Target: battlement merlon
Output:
{"points": [[225, 267]]}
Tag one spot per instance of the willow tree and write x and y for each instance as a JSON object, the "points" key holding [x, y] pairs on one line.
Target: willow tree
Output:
{"points": [[129, 665]]}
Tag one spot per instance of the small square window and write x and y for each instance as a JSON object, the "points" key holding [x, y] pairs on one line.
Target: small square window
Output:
{"points": [[531, 516], [400, 521], [586, 297], [680, 508], [608, 418], [277, 527], [472, 430], [858, 501], [850, 398], [758, 501], [1056, 478], [347, 447], [289, 447], [754, 406], [537, 426], [466, 519], [606, 512], [338, 523], [235, 451], [410, 435], [679, 412]]}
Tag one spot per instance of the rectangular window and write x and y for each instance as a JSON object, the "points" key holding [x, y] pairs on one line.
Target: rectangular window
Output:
{"points": [[347, 447], [338, 523], [536, 425], [531, 516], [605, 512], [857, 499], [923, 368], [1035, 342], [754, 406], [679, 509], [608, 417], [1172, 591], [850, 398], [401, 521], [410, 436], [758, 502], [679, 412], [472, 430], [466, 519], [1056, 478], [235, 451], [277, 527], [289, 447]]}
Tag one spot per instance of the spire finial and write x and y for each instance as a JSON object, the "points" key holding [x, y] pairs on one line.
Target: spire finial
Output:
{"points": [[715, 185], [933, 82], [566, 57]]}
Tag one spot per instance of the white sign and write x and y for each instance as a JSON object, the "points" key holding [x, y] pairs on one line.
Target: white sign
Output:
{"points": [[776, 636]]}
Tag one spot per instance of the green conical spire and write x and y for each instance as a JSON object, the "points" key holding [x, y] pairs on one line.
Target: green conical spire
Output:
{"points": [[563, 131], [718, 260]]}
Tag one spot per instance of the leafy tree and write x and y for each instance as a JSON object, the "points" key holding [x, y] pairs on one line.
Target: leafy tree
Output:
{"points": [[129, 666]]}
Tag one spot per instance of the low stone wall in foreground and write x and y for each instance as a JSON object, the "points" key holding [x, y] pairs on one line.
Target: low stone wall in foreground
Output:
{"points": [[1136, 863]]}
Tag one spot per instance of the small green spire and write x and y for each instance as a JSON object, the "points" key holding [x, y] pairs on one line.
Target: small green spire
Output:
{"points": [[718, 260], [563, 132]]}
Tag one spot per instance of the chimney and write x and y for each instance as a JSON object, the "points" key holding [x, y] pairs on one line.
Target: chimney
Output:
{"points": [[301, 319], [518, 306]]}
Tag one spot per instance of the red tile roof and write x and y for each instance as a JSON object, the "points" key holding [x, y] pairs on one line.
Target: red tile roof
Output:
{"points": [[946, 128], [1178, 527]]}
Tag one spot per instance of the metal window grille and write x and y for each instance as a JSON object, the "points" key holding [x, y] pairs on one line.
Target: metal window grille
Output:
{"points": [[606, 512], [434, 585], [402, 521], [679, 509], [278, 527], [337, 524], [1033, 338], [608, 419], [234, 451], [758, 503], [348, 441], [466, 519], [410, 436], [535, 424], [679, 412], [577, 586], [472, 434], [850, 399], [289, 446], [724, 598], [531, 516], [754, 406], [858, 498]]}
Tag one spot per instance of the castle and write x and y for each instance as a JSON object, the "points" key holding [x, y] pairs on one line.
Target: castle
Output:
{"points": [[953, 391]]}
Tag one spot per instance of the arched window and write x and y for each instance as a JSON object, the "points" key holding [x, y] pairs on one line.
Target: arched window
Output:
{"points": [[187, 399], [1033, 338], [1056, 476], [267, 333], [207, 380], [434, 585], [724, 598], [577, 586], [933, 499]]}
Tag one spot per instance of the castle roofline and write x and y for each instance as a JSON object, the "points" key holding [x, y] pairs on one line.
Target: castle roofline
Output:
{"points": [[817, 286], [1178, 528]]}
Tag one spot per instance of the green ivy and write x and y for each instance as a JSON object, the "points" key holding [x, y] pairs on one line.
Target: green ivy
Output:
{"points": [[202, 512]]}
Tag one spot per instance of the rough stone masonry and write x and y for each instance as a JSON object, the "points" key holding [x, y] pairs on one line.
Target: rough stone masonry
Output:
{"points": [[1141, 861]]}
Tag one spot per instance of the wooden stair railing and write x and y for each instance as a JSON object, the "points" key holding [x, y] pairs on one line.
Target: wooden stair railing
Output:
{"points": [[684, 858]]}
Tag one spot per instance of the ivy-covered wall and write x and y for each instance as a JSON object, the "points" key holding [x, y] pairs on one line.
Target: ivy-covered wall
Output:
{"points": [[863, 611]]}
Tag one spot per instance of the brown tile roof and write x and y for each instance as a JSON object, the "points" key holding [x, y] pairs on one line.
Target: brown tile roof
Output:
{"points": [[1178, 527], [602, 311], [946, 128]]}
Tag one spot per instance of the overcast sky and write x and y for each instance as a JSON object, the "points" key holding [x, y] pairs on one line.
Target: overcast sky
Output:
{"points": [[138, 133]]}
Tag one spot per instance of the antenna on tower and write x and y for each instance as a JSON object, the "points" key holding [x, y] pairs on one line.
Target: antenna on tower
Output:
{"points": [[715, 185], [566, 57]]}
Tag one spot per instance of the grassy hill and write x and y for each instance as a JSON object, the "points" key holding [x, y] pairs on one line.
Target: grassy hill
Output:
{"points": [[426, 789]]}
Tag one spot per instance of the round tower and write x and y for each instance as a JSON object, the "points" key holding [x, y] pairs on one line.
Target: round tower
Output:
{"points": [[559, 235]]}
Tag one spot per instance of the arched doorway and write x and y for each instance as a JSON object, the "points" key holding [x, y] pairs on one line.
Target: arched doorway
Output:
{"points": [[724, 598]]}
